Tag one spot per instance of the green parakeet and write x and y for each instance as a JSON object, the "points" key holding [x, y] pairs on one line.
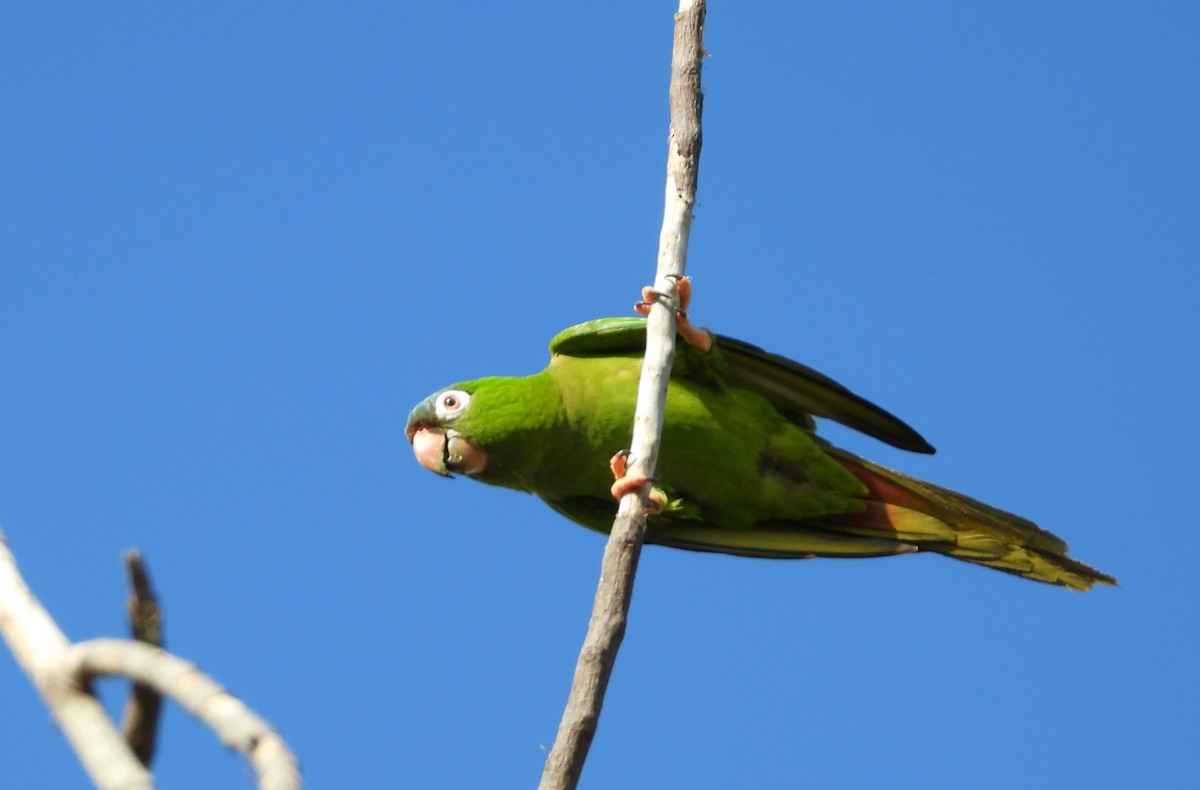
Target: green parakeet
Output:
{"points": [[741, 469]]}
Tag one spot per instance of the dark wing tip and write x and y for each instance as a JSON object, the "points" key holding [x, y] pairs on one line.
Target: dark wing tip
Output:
{"points": [[792, 387], [917, 443]]}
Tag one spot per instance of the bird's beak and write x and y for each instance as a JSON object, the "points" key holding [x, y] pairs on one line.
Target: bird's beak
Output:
{"points": [[429, 446], [441, 451], [423, 415]]}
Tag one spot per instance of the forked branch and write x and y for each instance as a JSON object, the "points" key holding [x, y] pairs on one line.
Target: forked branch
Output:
{"points": [[63, 672]]}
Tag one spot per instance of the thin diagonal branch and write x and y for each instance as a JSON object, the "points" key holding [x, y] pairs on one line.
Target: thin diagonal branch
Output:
{"points": [[139, 724], [619, 566]]}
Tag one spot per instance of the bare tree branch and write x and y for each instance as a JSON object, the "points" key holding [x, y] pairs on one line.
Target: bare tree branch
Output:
{"points": [[236, 725], [619, 566], [39, 645], [139, 724], [62, 674]]}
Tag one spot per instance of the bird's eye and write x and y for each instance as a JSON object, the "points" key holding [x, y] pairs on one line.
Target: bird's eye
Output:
{"points": [[452, 403]]}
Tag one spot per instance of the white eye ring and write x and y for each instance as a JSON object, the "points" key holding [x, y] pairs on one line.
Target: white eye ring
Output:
{"points": [[452, 403]]}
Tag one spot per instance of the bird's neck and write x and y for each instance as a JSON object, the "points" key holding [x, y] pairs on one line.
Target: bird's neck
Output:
{"points": [[532, 415]]}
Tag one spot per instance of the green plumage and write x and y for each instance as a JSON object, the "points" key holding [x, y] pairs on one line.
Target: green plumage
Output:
{"points": [[740, 466]]}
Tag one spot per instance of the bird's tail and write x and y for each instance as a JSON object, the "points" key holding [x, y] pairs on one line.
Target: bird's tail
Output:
{"points": [[937, 519]]}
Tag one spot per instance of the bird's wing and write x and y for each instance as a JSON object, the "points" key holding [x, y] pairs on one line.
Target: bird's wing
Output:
{"points": [[796, 390]]}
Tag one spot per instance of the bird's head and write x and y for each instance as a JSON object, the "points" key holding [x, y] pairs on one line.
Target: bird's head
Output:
{"points": [[437, 427]]}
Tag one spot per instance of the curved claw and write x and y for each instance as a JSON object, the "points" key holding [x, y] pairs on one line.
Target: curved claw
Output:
{"points": [[694, 336], [619, 463], [649, 297], [683, 286], [627, 483]]}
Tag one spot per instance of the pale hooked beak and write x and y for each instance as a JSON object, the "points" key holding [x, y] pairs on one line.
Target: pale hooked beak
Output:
{"points": [[444, 452]]}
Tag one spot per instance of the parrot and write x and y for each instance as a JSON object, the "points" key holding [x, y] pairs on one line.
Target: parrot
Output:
{"points": [[741, 469]]}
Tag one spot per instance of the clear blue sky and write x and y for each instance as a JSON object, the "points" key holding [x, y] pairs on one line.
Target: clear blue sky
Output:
{"points": [[238, 242]]}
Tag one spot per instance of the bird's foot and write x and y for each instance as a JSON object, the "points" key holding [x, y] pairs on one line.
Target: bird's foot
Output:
{"points": [[693, 335], [627, 483]]}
